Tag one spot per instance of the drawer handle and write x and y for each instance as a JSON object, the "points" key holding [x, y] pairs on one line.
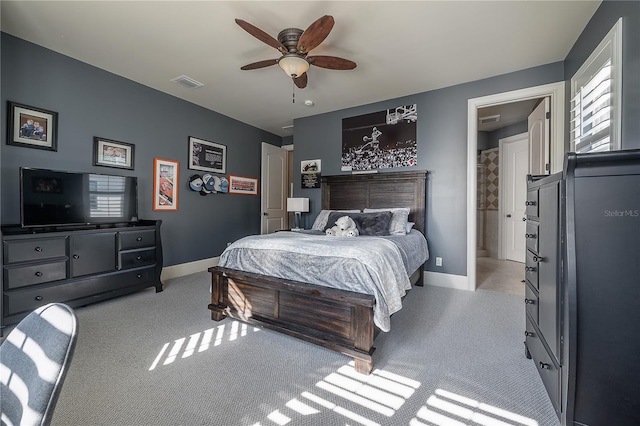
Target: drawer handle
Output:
{"points": [[138, 257], [537, 259], [529, 268], [522, 281], [533, 236], [139, 239], [38, 249], [529, 301], [38, 274], [544, 366], [530, 203], [139, 275], [529, 333], [38, 298], [75, 256]]}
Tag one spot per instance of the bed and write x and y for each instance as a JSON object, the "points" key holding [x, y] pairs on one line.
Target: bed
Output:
{"points": [[339, 319]]}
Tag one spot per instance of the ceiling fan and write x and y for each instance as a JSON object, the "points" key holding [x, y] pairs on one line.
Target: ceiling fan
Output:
{"points": [[294, 45]]}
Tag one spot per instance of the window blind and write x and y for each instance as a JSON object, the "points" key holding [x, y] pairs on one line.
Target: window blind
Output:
{"points": [[592, 113], [595, 101]]}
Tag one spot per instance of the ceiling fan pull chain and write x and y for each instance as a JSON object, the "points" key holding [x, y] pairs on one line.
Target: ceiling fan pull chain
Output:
{"points": [[293, 90]]}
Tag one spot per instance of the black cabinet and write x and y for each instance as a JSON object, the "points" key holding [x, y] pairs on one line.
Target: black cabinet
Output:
{"points": [[583, 292], [542, 273], [603, 288], [76, 266]]}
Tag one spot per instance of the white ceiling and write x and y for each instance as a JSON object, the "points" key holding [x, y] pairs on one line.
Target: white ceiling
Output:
{"points": [[401, 48]]}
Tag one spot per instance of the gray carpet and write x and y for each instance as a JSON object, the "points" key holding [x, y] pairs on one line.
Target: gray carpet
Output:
{"points": [[452, 358]]}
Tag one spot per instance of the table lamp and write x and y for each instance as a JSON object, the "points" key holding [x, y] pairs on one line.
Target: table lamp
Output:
{"points": [[297, 206]]}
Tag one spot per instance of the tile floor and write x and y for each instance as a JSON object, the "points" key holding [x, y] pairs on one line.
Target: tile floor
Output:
{"points": [[500, 275]]}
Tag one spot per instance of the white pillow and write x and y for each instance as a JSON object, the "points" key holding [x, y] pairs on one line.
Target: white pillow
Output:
{"points": [[399, 219], [321, 220]]}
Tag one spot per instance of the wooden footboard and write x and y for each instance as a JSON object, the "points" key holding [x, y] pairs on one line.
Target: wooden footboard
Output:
{"points": [[336, 319]]}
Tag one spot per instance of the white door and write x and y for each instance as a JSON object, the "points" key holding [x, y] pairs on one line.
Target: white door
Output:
{"points": [[513, 168], [273, 189], [539, 139]]}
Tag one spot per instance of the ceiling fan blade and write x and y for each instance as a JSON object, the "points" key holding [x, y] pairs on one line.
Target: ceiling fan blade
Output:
{"points": [[301, 82], [315, 34], [331, 62], [261, 35], [259, 64]]}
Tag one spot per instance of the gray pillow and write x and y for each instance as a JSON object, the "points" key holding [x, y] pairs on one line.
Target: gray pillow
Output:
{"points": [[399, 219], [375, 224], [320, 224]]}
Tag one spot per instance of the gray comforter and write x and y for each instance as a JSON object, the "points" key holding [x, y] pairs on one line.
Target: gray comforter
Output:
{"points": [[373, 265]]}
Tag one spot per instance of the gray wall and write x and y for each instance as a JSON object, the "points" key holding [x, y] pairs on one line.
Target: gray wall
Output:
{"points": [[492, 139], [92, 102], [442, 150], [442, 127], [601, 22]]}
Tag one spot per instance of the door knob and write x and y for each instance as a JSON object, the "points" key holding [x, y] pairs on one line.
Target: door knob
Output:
{"points": [[508, 215], [265, 214]]}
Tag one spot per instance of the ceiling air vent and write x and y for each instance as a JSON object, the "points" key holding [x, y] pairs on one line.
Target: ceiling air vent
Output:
{"points": [[187, 82], [489, 119]]}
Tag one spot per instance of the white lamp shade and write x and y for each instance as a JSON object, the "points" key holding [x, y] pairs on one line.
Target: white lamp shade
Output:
{"points": [[293, 65], [297, 205]]}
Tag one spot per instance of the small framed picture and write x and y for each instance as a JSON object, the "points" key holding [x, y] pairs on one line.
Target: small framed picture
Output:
{"points": [[165, 185], [207, 156], [32, 127], [243, 185], [111, 153]]}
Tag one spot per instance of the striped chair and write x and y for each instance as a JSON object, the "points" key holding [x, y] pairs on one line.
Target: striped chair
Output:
{"points": [[34, 359]]}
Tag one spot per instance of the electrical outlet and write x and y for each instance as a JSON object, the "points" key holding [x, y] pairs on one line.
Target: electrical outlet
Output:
{"points": [[438, 261]]}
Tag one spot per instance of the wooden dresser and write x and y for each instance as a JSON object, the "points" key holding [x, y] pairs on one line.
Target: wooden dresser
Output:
{"points": [[76, 266]]}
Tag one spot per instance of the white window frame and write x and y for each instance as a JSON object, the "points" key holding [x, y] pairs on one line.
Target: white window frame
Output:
{"points": [[610, 48]]}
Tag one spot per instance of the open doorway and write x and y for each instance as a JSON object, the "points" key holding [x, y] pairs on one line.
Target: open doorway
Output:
{"points": [[476, 107], [503, 159]]}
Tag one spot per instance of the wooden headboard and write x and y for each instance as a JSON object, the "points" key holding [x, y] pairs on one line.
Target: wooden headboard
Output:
{"points": [[378, 190]]}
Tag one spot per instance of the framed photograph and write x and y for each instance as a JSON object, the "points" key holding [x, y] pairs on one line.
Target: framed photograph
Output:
{"points": [[243, 185], [311, 166], [165, 185], [32, 127], [111, 153], [207, 156]]}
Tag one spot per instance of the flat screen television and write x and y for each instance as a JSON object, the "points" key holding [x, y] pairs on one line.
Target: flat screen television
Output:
{"points": [[50, 198]]}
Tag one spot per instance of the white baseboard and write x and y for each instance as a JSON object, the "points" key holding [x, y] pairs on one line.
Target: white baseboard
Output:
{"points": [[458, 282], [175, 271]]}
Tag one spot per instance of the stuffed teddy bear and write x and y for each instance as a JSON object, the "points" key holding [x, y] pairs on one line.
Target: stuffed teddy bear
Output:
{"points": [[344, 227]]}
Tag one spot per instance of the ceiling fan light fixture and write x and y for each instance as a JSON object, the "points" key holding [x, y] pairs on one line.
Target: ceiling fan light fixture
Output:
{"points": [[293, 65]]}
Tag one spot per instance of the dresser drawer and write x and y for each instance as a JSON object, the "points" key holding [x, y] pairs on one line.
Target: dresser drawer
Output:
{"points": [[29, 298], [136, 239], [531, 269], [135, 258], [531, 205], [24, 276], [531, 235], [34, 249], [531, 302], [549, 372]]}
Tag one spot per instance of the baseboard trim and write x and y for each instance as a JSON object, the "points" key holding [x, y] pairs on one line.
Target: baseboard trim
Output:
{"points": [[175, 271], [458, 282]]}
